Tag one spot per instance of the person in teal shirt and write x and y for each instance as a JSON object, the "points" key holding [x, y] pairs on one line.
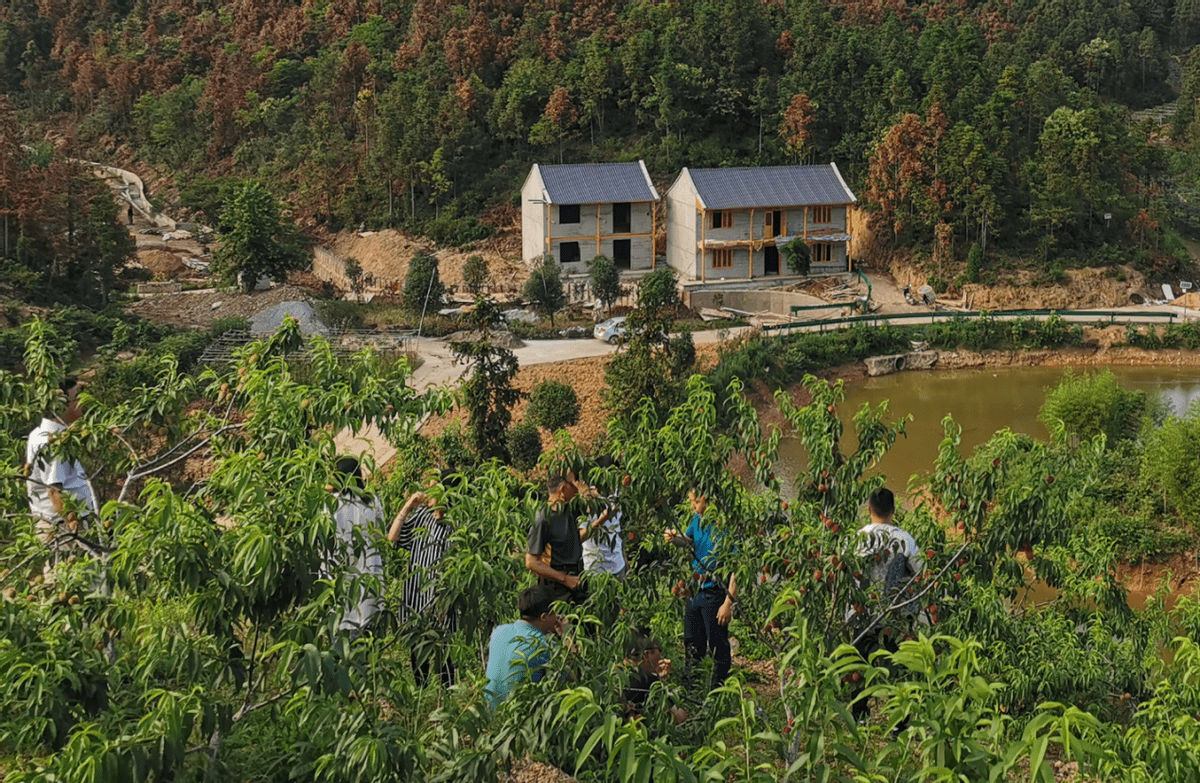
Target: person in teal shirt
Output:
{"points": [[706, 619], [518, 649]]}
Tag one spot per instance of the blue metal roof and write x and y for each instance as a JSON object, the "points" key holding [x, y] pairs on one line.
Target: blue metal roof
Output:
{"points": [[597, 183], [770, 186]]}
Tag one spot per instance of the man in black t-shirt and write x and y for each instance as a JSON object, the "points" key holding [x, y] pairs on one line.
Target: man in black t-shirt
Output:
{"points": [[557, 527]]}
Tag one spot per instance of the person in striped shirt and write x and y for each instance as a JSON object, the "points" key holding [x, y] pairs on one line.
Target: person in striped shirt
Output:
{"points": [[421, 528]]}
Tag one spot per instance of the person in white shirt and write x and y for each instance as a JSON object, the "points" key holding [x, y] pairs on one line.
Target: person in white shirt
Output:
{"points": [[897, 561], [603, 549], [359, 521], [60, 495]]}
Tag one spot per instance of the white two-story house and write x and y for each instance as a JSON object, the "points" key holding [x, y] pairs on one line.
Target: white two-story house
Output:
{"points": [[576, 212], [732, 223]]}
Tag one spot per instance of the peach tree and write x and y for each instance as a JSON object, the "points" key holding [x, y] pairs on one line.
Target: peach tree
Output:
{"points": [[202, 632]]}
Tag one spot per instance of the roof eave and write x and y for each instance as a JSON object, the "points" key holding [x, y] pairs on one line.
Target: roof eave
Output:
{"points": [[649, 182], [838, 174]]}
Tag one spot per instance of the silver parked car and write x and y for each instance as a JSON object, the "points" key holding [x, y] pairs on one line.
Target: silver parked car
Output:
{"points": [[611, 330]]}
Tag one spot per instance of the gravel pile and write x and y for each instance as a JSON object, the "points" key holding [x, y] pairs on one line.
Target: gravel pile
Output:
{"points": [[269, 320], [195, 308]]}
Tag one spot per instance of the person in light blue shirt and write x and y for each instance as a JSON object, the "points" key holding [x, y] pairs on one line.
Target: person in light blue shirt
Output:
{"points": [[706, 620], [518, 649]]}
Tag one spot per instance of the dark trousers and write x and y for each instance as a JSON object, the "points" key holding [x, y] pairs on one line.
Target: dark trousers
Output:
{"points": [[422, 668], [702, 634], [563, 593], [875, 640]]}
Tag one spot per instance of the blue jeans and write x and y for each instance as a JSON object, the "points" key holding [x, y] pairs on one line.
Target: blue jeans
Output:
{"points": [[702, 633]]}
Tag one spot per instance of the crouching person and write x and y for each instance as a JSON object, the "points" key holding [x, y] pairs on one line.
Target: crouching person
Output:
{"points": [[646, 653], [518, 650]]}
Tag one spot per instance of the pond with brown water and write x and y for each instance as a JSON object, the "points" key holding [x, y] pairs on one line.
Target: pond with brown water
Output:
{"points": [[982, 402]]}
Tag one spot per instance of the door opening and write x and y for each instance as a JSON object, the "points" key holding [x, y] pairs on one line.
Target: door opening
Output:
{"points": [[621, 254]]}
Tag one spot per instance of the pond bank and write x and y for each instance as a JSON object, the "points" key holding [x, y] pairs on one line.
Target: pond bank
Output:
{"points": [[988, 391], [1102, 348]]}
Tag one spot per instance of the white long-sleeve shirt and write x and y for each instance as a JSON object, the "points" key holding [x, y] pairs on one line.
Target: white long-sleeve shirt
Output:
{"points": [[46, 469], [358, 525]]}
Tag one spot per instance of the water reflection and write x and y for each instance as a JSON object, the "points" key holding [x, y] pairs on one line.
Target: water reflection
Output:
{"points": [[981, 401]]}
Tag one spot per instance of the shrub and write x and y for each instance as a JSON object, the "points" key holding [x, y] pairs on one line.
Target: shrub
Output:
{"points": [[475, 274], [544, 289], [450, 228], [974, 263], [1092, 403], [1171, 462], [453, 448], [605, 279], [553, 405], [524, 445], [230, 323], [340, 314], [423, 289], [799, 256]]}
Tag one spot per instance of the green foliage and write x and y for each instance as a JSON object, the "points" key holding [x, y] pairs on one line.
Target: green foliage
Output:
{"points": [[339, 313], [974, 263], [1171, 462], [451, 228], [653, 365], [207, 197], [786, 359], [544, 288], [605, 279], [227, 593], [219, 624], [798, 255], [423, 290], [553, 405], [475, 274], [1090, 404], [524, 445], [256, 239], [488, 395], [453, 448]]}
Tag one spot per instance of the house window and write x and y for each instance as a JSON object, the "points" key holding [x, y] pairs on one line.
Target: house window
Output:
{"points": [[568, 252], [722, 259], [822, 253], [568, 213], [820, 214], [621, 218], [722, 218]]}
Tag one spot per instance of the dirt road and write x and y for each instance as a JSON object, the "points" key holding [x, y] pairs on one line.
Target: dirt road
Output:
{"points": [[438, 361]]}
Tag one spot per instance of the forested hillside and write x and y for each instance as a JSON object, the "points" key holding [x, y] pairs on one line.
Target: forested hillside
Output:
{"points": [[1002, 122]]}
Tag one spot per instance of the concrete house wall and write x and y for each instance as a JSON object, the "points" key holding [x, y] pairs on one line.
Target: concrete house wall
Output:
{"points": [[533, 217], [595, 233], [683, 228], [689, 225]]}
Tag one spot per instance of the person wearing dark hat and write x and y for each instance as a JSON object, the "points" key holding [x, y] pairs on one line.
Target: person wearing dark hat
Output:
{"points": [[645, 653], [518, 650], [359, 519]]}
